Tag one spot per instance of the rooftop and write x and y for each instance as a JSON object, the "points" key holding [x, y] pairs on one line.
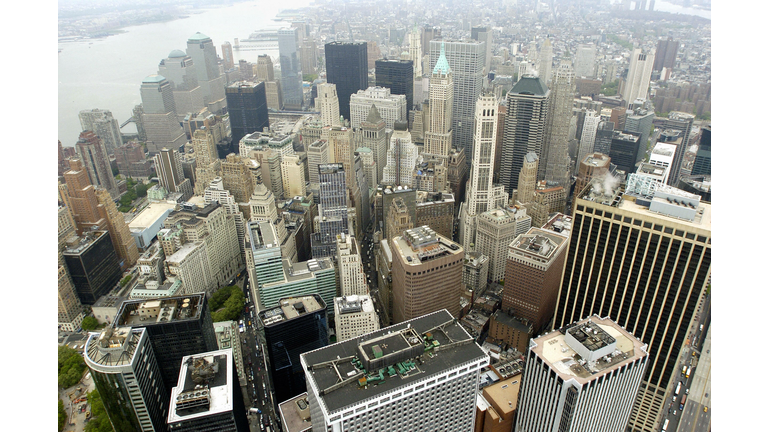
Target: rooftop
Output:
{"points": [[262, 235], [113, 347], [559, 223], [204, 387], [150, 312], [294, 414], [588, 349], [530, 85], [290, 308], [353, 304], [150, 214], [354, 371], [539, 243], [422, 244]]}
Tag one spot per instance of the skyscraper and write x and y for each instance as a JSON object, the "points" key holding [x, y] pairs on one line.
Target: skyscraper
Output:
{"points": [[94, 156], [373, 381], [702, 165], [265, 70], [354, 315], [104, 126], [496, 229], [351, 275], [625, 151], [158, 115], [466, 60], [666, 52], [397, 76], [327, 102], [247, 106], [545, 61], [585, 61], [226, 55], [558, 124], [176, 327], [346, 65], [332, 209], [484, 34], [645, 263], [682, 123], [391, 107], [122, 363], [401, 158], [290, 68], [596, 393], [200, 47], [93, 265], [426, 273], [170, 174], [438, 139], [122, 240], [638, 77], [296, 326], [588, 134], [526, 183], [415, 51], [524, 129], [374, 136]]}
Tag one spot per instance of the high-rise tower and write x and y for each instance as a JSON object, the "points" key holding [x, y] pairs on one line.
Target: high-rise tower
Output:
{"points": [[374, 136], [290, 68], [159, 119], [438, 138], [639, 76], [346, 65], [585, 61], [558, 124], [327, 102], [200, 47], [226, 55], [247, 106], [397, 76], [545, 61], [92, 152], [104, 125]]}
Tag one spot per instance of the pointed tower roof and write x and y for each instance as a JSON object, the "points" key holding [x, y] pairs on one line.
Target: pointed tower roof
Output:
{"points": [[373, 115], [442, 66]]}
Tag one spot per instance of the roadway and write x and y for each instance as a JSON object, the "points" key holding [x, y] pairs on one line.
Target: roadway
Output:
{"points": [[693, 418]]}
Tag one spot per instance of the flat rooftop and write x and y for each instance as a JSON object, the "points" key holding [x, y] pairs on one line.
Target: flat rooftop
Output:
{"points": [[149, 312], [337, 370], [113, 347], [503, 395], [560, 223], [151, 214], [204, 387], [294, 414], [354, 304], [422, 244], [262, 235], [290, 308], [564, 358], [539, 243]]}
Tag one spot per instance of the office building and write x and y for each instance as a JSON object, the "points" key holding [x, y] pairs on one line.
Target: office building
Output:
{"points": [[104, 126], [351, 275], [318, 154], [484, 34], [592, 166], [159, 118], [370, 170], [545, 61], [558, 162], [526, 183], [226, 55], [547, 199], [383, 388], [181, 73], [332, 208], [131, 161], [415, 54], [263, 258], [355, 316], [315, 276], [290, 68], [327, 102], [648, 270], [532, 275], [207, 395], [294, 181], [666, 53], [584, 376], [296, 325], [683, 124], [588, 134], [495, 231], [79, 197], [122, 363], [70, 309], [401, 158], [481, 193], [640, 121], [215, 192], [208, 165], [237, 177], [466, 61], [475, 273], [391, 107], [426, 273], [626, 151], [93, 154], [203, 53], [247, 106], [524, 129], [346, 65], [308, 56], [507, 330], [603, 137], [122, 240], [170, 173], [265, 70], [436, 210], [294, 414], [263, 208], [584, 65], [274, 92], [397, 76], [438, 137], [176, 327], [93, 265], [638, 77], [702, 165]]}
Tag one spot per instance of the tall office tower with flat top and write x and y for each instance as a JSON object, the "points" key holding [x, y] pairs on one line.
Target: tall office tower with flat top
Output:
{"points": [[226, 55], [481, 194], [532, 275], [92, 152], [200, 47], [355, 315], [122, 240], [346, 65], [126, 373], [555, 150], [439, 136], [702, 165], [397, 76], [495, 231], [484, 34], [559, 395], [265, 70], [426, 273], [545, 61], [104, 126], [170, 173], [290, 68], [526, 183], [666, 52], [351, 274], [639, 76], [372, 382], [327, 102], [682, 123], [466, 60], [247, 106], [588, 134], [524, 129], [93, 265], [176, 327], [391, 107], [415, 51], [159, 119], [644, 262]]}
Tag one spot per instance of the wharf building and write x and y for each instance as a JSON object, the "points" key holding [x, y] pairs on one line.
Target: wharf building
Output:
{"points": [[421, 374], [534, 267], [426, 273], [583, 376], [93, 265], [176, 327], [207, 395], [297, 325], [122, 363], [354, 315], [645, 262]]}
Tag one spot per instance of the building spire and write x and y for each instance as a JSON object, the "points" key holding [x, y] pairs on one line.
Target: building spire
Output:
{"points": [[442, 66]]}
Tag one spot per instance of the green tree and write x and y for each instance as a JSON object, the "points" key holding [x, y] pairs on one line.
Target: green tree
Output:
{"points": [[99, 421], [89, 323], [309, 77], [62, 416], [124, 281], [141, 190], [71, 367], [232, 307]]}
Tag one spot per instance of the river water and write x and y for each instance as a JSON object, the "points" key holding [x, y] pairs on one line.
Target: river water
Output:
{"points": [[107, 73]]}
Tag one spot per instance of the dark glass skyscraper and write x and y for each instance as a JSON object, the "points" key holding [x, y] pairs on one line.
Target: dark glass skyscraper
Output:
{"points": [[625, 151], [93, 265], [346, 65], [247, 105], [290, 69], [703, 163], [177, 327], [397, 76]]}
